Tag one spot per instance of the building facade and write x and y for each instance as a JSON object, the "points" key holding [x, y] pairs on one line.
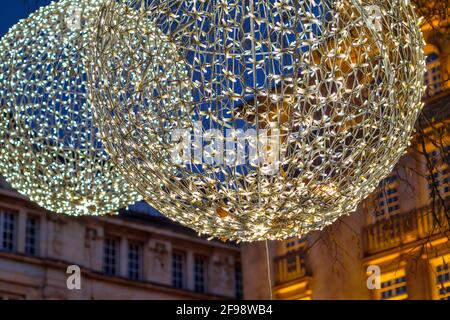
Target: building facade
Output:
{"points": [[400, 232], [129, 256]]}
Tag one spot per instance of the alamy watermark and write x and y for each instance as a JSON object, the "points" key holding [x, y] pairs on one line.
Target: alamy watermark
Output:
{"points": [[374, 278], [73, 19], [230, 147], [74, 279]]}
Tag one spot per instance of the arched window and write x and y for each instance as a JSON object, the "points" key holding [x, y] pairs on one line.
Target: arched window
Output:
{"points": [[433, 79]]}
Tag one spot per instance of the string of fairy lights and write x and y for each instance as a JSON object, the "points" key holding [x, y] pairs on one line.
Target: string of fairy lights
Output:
{"points": [[333, 85], [50, 151]]}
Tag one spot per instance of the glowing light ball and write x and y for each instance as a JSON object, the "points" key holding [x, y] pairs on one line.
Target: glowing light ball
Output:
{"points": [[49, 146], [253, 120]]}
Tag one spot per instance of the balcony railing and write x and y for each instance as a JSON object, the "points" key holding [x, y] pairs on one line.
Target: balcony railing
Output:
{"points": [[402, 229], [289, 266]]}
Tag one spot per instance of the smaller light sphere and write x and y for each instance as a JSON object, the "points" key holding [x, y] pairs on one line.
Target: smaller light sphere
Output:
{"points": [[50, 151]]}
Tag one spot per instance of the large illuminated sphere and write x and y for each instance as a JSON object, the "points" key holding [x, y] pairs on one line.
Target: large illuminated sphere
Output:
{"points": [[50, 151], [335, 85]]}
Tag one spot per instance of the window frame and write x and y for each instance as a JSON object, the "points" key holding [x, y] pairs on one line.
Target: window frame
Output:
{"points": [[37, 236], [182, 282], [14, 214], [200, 287], [116, 265], [140, 251]]}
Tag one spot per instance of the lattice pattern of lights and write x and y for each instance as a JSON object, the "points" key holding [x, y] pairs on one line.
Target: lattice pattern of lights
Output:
{"points": [[339, 80], [50, 151]]}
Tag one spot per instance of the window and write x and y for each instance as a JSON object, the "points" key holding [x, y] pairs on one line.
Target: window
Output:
{"points": [[8, 230], [110, 256], [200, 265], [290, 244], [294, 254], [238, 284], [294, 244], [178, 267], [143, 207], [134, 260], [393, 208], [32, 236], [433, 74], [393, 285], [443, 280], [387, 199], [391, 191], [393, 199], [394, 289], [438, 181]]}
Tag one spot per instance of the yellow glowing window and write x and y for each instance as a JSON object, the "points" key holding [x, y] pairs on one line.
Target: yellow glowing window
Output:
{"points": [[439, 179], [294, 250], [393, 286], [441, 277], [443, 280], [294, 244], [387, 197], [433, 74]]}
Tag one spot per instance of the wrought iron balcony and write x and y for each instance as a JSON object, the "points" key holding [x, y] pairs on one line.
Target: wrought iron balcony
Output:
{"points": [[403, 229], [290, 266]]}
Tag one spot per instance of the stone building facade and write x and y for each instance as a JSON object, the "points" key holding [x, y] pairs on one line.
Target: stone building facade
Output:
{"points": [[130, 256]]}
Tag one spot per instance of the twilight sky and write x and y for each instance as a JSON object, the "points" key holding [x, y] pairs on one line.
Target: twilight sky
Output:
{"points": [[14, 10]]}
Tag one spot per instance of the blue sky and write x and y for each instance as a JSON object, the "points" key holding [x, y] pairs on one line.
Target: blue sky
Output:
{"points": [[14, 10]]}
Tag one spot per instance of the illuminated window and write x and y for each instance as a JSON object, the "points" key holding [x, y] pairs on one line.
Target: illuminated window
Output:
{"points": [[387, 199], [134, 260], [294, 250], [32, 236], [111, 256], [433, 74], [178, 268], [294, 244], [7, 230], [439, 179], [443, 280], [200, 266], [393, 286]]}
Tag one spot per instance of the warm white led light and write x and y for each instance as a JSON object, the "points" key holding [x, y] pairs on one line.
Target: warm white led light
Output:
{"points": [[50, 151], [339, 80]]}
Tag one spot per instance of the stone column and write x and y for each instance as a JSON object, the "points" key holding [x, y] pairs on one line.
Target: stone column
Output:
{"points": [[123, 257], [418, 279], [21, 230], [43, 236], [189, 270]]}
